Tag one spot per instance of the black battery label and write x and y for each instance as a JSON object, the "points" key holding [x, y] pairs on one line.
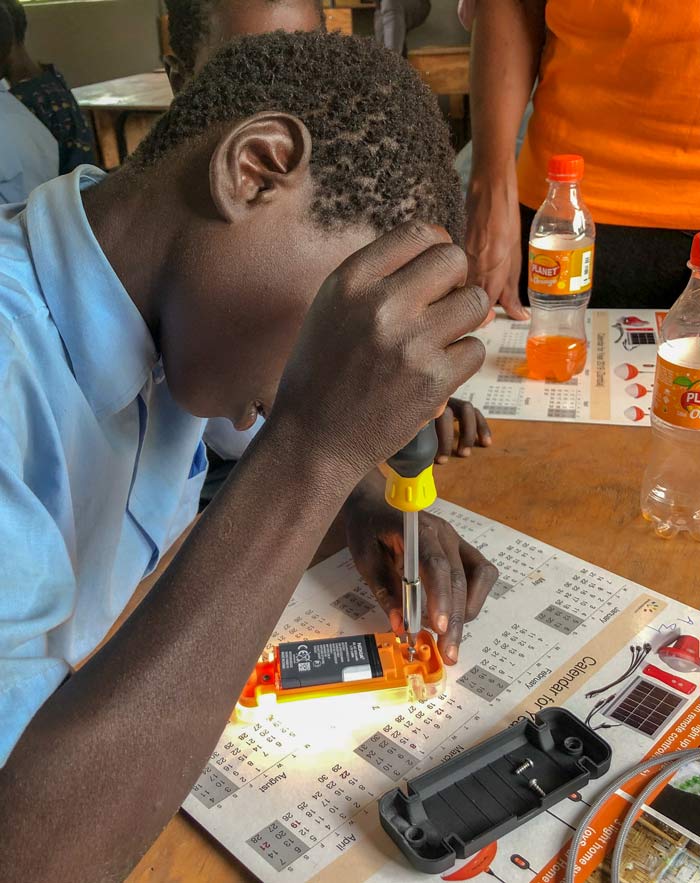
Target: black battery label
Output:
{"points": [[329, 661]]}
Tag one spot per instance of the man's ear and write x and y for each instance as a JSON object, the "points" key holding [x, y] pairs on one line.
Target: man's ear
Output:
{"points": [[175, 72], [256, 160]]}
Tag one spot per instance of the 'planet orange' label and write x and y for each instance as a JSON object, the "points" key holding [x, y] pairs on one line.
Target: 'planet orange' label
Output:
{"points": [[677, 394], [560, 273]]}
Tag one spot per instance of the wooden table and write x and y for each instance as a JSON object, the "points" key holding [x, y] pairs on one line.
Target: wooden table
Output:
{"points": [[446, 70], [574, 486], [123, 111]]}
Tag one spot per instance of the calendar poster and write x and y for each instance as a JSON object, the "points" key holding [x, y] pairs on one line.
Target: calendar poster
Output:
{"points": [[615, 386], [293, 795]]}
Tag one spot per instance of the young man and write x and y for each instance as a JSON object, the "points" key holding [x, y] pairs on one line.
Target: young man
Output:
{"points": [[197, 29], [42, 89], [181, 285], [28, 151]]}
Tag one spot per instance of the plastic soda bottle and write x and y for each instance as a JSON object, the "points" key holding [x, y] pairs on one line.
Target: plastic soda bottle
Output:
{"points": [[560, 274], [671, 487]]}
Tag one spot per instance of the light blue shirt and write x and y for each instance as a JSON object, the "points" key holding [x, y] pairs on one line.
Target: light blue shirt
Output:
{"points": [[28, 151], [100, 470]]}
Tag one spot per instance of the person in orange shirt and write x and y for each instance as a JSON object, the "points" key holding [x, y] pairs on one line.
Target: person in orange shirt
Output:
{"points": [[617, 82]]}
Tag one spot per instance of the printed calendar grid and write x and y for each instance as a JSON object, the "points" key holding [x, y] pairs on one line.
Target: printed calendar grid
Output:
{"points": [[504, 652], [602, 393]]}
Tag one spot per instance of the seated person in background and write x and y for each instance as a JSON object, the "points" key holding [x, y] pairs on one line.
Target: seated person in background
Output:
{"points": [[197, 28], [393, 19], [28, 151], [618, 84], [185, 284], [42, 89]]}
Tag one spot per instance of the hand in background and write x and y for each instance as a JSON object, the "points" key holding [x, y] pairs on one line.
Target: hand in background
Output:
{"points": [[493, 240], [472, 430]]}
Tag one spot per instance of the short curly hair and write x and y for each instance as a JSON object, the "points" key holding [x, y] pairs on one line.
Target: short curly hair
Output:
{"points": [[381, 151], [188, 24]]}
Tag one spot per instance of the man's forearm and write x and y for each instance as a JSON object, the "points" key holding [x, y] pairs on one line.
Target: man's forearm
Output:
{"points": [[507, 40], [110, 757]]}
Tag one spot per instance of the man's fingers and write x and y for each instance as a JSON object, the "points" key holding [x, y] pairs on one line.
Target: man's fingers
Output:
{"points": [[462, 311], [444, 426], [391, 251], [482, 575], [464, 358], [489, 319], [436, 576], [378, 571], [472, 426], [467, 428], [450, 641], [482, 429], [429, 277]]}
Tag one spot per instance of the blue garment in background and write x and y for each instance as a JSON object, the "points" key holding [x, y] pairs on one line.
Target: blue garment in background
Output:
{"points": [[52, 102], [28, 151], [101, 470]]}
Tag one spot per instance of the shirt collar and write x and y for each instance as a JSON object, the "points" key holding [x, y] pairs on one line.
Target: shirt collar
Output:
{"points": [[110, 347]]}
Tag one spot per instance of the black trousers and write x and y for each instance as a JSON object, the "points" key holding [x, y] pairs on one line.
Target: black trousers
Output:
{"points": [[642, 267]]}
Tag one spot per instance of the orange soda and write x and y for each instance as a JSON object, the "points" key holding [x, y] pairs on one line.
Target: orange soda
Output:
{"points": [[560, 275]]}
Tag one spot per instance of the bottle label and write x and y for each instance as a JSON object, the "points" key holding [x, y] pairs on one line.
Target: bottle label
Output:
{"points": [[560, 273], [677, 394]]}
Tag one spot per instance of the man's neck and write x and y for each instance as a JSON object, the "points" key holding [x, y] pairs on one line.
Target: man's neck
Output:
{"points": [[132, 226], [21, 66]]}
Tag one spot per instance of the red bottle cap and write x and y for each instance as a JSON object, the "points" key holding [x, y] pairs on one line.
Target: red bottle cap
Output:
{"points": [[694, 262], [567, 167]]}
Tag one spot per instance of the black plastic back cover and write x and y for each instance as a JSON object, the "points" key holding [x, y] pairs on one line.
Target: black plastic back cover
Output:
{"points": [[473, 799]]}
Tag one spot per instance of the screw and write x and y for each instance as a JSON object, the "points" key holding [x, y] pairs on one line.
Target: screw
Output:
{"points": [[534, 786], [525, 765]]}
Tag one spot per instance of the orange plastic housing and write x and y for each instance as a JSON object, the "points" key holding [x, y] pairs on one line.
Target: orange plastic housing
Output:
{"points": [[419, 679]]}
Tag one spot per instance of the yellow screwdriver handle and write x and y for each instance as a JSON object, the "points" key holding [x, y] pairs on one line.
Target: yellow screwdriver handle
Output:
{"points": [[410, 486]]}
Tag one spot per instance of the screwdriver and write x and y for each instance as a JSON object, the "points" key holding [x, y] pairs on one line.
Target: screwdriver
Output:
{"points": [[410, 487]]}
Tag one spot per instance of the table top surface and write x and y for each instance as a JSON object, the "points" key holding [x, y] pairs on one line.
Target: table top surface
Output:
{"points": [[140, 92], [573, 486], [151, 91], [460, 50]]}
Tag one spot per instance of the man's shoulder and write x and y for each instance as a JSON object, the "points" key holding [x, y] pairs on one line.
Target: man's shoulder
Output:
{"points": [[20, 292]]}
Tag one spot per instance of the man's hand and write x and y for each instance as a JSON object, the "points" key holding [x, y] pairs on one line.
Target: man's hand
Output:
{"points": [[383, 348], [472, 430], [493, 239], [456, 577]]}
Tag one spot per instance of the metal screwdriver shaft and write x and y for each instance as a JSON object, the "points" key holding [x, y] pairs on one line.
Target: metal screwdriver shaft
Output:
{"points": [[410, 488], [412, 589]]}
